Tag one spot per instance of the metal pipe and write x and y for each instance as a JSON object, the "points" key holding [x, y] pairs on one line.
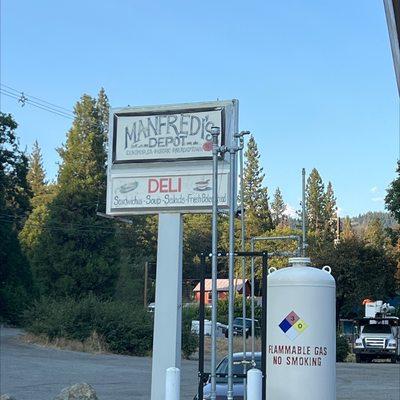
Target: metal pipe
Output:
{"points": [[288, 237], [232, 153], [252, 304], [201, 325], [215, 131], [244, 288], [264, 323], [303, 212]]}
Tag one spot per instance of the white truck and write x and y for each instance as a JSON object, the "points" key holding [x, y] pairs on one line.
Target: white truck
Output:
{"points": [[377, 334]]}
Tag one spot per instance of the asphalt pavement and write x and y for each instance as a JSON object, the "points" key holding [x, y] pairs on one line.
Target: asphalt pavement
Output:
{"points": [[33, 372]]}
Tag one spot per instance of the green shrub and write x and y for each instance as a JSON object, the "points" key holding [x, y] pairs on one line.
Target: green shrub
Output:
{"points": [[190, 341], [125, 329], [342, 348]]}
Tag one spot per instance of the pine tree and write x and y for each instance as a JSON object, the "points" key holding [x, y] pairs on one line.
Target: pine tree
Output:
{"points": [[315, 202], [278, 208], [36, 175], [255, 196], [375, 235], [330, 213], [348, 231], [76, 254]]}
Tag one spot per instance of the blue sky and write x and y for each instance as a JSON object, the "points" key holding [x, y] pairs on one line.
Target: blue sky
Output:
{"points": [[314, 79]]}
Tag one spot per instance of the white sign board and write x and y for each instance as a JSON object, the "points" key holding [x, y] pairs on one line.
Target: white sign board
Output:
{"points": [[176, 135], [166, 192], [160, 157]]}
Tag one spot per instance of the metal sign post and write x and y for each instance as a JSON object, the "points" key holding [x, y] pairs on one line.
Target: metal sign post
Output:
{"points": [[167, 317], [215, 131]]}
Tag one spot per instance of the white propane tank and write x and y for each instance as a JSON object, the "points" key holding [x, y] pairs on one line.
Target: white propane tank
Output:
{"points": [[301, 333]]}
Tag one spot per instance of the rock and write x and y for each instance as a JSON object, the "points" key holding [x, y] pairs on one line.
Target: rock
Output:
{"points": [[6, 397], [80, 391]]}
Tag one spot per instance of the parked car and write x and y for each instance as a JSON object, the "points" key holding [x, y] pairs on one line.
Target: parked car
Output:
{"points": [[222, 380], [238, 327]]}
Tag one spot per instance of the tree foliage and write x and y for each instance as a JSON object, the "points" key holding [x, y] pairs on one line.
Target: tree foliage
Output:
{"points": [[36, 174], [76, 253], [15, 274], [278, 208], [255, 195], [392, 198]]}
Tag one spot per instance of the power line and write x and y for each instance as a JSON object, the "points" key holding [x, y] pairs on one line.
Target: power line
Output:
{"points": [[35, 105], [37, 98], [25, 100]]}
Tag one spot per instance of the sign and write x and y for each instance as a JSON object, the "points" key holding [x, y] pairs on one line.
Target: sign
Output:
{"points": [[160, 157], [165, 136], [166, 192]]}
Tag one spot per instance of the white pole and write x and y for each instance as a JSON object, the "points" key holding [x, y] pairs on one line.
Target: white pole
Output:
{"points": [[172, 383], [254, 384], [168, 311]]}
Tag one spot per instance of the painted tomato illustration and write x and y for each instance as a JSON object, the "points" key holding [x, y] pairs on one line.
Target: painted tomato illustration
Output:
{"points": [[207, 146]]}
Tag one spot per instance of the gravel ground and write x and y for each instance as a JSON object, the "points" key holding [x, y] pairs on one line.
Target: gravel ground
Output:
{"points": [[33, 372]]}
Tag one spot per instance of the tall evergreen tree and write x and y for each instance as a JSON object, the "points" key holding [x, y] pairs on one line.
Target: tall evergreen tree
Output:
{"points": [[330, 213], [255, 196], [36, 175], [278, 208], [375, 235], [15, 275], [43, 194], [315, 202], [76, 253], [348, 231]]}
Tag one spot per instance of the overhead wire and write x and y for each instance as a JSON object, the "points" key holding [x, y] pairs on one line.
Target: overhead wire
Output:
{"points": [[37, 98], [41, 104]]}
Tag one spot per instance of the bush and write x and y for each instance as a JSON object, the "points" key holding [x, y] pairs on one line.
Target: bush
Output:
{"points": [[342, 348], [124, 328], [190, 341]]}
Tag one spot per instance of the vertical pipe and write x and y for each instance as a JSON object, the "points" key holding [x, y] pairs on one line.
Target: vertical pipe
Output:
{"points": [[244, 288], [146, 272], [232, 153], [215, 131], [172, 383], [264, 323], [252, 303], [201, 325], [303, 211]]}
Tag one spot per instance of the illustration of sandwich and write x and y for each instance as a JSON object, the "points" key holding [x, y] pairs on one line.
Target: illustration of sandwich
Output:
{"points": [[128, 187]]}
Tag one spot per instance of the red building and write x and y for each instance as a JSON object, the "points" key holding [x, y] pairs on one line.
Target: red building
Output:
{"points": [[222, 289]]}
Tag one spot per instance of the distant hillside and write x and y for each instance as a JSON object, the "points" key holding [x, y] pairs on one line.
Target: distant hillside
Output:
{"points": [[361, 221]]}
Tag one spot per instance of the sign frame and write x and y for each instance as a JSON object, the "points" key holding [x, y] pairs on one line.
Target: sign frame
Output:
{"points": [[150, 111], [186, 166]]}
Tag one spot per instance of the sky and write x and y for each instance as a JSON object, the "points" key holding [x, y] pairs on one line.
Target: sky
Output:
{"points": [[314, 79]]}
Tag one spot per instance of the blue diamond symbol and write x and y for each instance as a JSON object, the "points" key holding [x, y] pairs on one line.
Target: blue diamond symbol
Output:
{"points": [[285, 325]]}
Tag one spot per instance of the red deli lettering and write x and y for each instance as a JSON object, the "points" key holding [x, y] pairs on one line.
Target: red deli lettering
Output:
{"points": [[164, 185]]}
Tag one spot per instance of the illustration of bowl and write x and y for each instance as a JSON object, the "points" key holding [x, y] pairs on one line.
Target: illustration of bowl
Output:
{"points": [[202, 186]]}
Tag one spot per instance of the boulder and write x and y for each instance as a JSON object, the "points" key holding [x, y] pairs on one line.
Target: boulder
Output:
{"points": [[6, 397], [80, 391]]}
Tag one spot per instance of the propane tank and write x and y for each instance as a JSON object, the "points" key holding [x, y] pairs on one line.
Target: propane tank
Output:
{"points": [[301, 333]]}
